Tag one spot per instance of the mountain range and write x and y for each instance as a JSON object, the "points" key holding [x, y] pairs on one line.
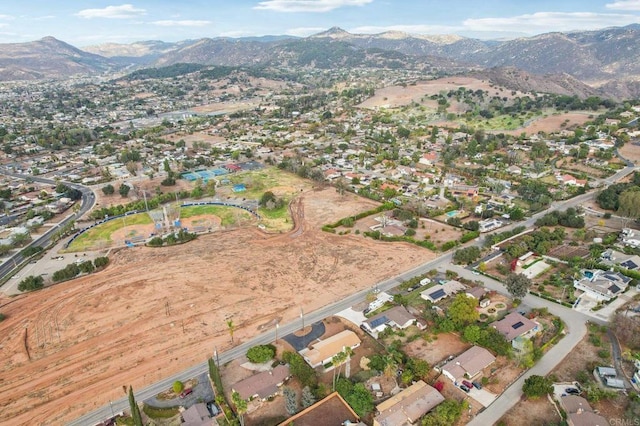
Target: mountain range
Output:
{"points": [[603, 62]]}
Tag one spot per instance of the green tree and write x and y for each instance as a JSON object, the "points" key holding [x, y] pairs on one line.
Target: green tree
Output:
{"points": [[101, 262], [178, 387], [517, 284], [261, 353], [124, 190], [472, 333], [108, 189], [462, 310], [135, 410], [445, 414], [241, 406], [536, 386], [300, 369], [231, 328], [629, 203], [31, 283]]}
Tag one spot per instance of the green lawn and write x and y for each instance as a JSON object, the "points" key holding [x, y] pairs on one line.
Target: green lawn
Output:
{"points": [[276, 219], [228, 215], [103, 232]]}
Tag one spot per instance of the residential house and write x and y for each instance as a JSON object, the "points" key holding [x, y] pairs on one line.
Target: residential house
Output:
{"points": [[580, 413], [408, 406], [429, 159], [569, 180], [514, 170], [627, 261], [602, 285], [489, 225], [476, 292], [609, 377], [263, 385], [468, 364], [516, 329], [396, 317], [323, 351], [197, 415], [437, 293], [630, 237], [329, 411]]}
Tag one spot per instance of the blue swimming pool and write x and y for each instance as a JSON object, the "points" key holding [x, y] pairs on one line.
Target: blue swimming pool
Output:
{"points": [[452, 213]]}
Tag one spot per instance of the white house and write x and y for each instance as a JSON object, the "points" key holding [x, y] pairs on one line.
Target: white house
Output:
{"points": [[602, 285]]}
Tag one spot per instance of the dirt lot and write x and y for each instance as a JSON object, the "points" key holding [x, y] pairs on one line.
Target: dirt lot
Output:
{"points": [[552, 123], [396, 96], [438, 350], [538, 412], [70, 348], [631, 152]]}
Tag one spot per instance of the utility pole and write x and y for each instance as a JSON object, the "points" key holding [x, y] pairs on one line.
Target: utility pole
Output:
{"points": [[302, 318], [277, 326], [111, 405]]}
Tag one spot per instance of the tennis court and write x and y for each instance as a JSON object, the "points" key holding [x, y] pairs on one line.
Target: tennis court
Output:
{"points": [[205, 175]]}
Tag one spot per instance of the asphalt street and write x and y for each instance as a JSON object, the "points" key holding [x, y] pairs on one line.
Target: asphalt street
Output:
{"points": [[575, 322], [88, 201]]}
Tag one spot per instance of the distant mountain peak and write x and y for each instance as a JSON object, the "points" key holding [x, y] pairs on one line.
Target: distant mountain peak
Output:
{"points": [[333, 32]]}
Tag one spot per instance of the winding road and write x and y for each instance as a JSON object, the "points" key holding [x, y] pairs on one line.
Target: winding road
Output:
{"points": [[87, 203]]}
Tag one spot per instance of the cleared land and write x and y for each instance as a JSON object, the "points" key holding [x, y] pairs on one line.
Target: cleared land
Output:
{"points": [[70, 348], [397, 96]]}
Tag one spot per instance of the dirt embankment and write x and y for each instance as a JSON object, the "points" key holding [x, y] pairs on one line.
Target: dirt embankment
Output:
{"points": [[155, 312]]}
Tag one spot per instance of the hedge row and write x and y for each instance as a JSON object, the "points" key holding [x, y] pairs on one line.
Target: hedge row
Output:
{"points": [[383, 207]]}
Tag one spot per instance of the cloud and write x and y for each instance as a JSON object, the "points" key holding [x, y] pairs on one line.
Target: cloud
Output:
{"points": [[624, 5], [304, 31], [124, 11], [551, 21], [7, 17], [307, 5], [181, 23]]}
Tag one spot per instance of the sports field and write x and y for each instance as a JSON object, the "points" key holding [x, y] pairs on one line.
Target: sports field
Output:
{"points": [[101, 234]]}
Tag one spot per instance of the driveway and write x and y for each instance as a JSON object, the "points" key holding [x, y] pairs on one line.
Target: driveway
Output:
{"points": [[483, 396], [301, 342], [202, 392], [353, 316]]}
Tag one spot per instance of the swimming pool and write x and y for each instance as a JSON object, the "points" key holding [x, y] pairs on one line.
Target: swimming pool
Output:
{"points": [[452, 213]]}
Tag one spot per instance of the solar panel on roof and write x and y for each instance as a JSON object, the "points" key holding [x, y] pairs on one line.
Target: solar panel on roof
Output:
{"points": [[629, 264], [517, 325], [378, 321], [614, 289], [437, 294]]}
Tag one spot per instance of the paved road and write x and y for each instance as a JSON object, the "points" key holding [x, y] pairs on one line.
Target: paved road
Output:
{"points": [[575, 323], [88, 201]]}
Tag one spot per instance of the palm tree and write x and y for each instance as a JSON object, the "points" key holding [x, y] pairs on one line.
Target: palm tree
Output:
{"points": [[241, 406], [231, 327], [337, 359]]}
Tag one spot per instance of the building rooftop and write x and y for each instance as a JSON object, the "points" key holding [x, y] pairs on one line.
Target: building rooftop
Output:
{"points": [[408, 406], [262, 384], [329, 347], [514, 325]]}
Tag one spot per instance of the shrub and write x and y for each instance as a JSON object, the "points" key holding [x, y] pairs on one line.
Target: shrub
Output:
{"points": [[31, 283], [261, 353], [101, 262], [178, 386]]}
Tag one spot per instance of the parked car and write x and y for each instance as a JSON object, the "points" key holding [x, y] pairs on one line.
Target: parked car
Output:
{"points": [[464, 388], [477, 385], [572, 391], [467, 384], [186, 393]]}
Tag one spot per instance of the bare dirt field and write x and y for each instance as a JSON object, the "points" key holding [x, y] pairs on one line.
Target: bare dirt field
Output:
{"points": [[438, 350], [70, 348], [552, 123], [396, 96], [630, 151], [538, 412]]}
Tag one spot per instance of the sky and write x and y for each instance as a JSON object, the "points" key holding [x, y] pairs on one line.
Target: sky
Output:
{"points": [[91, 22]]}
